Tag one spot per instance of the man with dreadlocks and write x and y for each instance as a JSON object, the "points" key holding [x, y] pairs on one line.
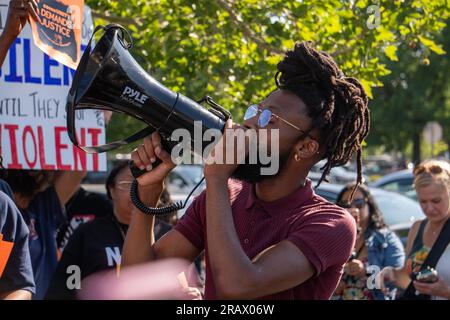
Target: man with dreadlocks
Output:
{"points": [[268, 237]]}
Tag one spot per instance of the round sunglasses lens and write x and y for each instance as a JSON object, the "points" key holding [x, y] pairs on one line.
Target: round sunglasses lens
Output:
{"points": [[264, 118], [344, 205], [359, 203], [251, 112]]}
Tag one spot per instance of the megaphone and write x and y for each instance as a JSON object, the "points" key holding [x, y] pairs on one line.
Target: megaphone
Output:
{"points": [[109, 78]]}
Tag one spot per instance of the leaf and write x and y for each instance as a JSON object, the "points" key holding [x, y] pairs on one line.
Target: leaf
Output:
{"points": [[367, 87], [288, 43], [384, 35], [361, 4], [273, 59], [431, 45], [391, 52]]}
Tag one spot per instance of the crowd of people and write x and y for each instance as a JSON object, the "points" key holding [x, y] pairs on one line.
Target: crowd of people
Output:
{"points": [[268, 237]]}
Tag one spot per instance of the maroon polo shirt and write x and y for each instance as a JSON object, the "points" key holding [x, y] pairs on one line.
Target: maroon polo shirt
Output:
{"points": [[324, 233]]}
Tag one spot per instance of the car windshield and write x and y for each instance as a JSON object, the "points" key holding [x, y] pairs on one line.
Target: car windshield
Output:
{"points": [[193, 172], [403, 186], [398, 209]]}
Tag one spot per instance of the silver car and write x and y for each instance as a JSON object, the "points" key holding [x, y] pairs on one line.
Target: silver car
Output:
{"points": [[400, 181]]}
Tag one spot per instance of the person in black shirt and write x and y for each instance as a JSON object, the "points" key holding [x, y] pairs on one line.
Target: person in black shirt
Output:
{"points": [[97, 245], [83, 207]]}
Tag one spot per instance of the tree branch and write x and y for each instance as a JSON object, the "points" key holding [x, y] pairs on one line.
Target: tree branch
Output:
{"points": [[115, 19], [248, 33]]}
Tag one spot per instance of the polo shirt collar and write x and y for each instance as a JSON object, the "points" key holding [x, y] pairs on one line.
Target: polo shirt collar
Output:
{"points": [[287, 203]]}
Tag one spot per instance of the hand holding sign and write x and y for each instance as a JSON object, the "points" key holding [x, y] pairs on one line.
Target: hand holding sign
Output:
{"points": [[57, 30], [18, 12]]}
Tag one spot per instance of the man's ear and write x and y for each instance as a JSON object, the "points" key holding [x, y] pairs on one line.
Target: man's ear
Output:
{"points": [[306, 148]]}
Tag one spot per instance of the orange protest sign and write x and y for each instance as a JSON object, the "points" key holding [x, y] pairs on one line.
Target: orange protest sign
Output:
{"points": [[57, 32], [5, 251]]}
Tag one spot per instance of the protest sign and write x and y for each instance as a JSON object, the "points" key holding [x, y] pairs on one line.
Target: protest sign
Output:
{"points": [[57, 31]]}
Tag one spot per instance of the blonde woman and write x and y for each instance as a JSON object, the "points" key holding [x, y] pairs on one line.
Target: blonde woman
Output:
{"points": [[432, 184]]}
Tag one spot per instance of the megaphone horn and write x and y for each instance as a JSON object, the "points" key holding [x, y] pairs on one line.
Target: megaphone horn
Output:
{"points": [[109, 78]]}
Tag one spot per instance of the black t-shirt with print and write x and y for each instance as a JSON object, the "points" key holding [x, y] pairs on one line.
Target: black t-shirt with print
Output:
{"points": [[94, 246], [83, 207]]}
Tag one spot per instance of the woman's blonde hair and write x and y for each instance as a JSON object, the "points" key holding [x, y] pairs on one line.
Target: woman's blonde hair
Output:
{"points": [[432, 171]]}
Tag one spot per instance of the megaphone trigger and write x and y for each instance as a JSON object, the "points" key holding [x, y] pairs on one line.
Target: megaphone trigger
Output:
{"points": [[136, 172], [166, 144]]}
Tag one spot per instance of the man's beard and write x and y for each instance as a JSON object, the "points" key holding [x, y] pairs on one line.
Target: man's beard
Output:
{"points": [[251, 173]]}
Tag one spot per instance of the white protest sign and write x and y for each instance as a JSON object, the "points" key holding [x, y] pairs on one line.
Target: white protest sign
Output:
{"points": [[33, 93]]}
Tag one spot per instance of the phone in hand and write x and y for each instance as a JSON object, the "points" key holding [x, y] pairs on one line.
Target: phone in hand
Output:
{"points": [[428, 275]]}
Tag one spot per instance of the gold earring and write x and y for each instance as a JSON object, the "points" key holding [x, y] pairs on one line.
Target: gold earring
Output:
{"points": [[297, 158]]}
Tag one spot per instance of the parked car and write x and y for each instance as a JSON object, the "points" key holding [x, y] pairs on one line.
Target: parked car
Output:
{"points": [[183, 178], [400, 181], [399, 212], [181, 181], [376, 166], [338, 175]]}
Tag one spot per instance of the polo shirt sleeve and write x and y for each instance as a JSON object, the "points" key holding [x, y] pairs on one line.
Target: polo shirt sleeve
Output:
{"points": [[192, 223], [18, 273], [326, 238]]}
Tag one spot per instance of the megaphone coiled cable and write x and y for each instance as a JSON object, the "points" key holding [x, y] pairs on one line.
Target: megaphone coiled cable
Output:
{"points": [[161, 210]]}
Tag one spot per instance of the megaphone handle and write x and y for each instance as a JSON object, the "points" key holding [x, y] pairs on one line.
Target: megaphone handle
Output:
{"points": [[136, 172]]}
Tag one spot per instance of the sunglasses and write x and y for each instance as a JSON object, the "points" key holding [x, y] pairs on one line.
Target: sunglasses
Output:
{"points": [[265, 116], [357, 203], [124, 185], [434, 169]]}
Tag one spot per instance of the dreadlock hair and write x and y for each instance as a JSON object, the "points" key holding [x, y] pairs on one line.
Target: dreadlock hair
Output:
{"points": [[336, 104]]}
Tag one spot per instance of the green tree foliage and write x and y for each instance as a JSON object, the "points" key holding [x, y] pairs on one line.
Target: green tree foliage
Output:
{"points": [[229, 49], [417, 91]]}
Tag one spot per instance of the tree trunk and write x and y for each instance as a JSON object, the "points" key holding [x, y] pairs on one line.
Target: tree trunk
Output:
{"points": [[448, 148], [416, 148]]}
